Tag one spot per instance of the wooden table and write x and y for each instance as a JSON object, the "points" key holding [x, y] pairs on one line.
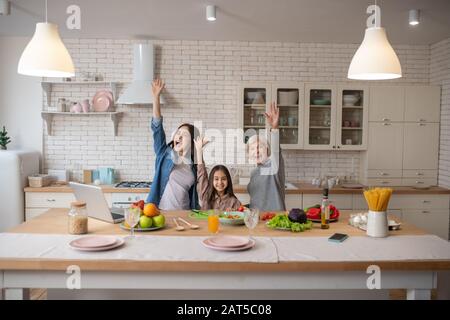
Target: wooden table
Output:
{"points": [[418, 277]]}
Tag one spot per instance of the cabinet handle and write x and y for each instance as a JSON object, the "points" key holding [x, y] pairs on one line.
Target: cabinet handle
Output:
{"points": [[419, 182], [386, 119], [51, 200], [384, 182], [338, 147], [421, 120], [426, 201], [421, 124], [419, 174], [382, 173], [425, 211], [386, 124], [334, 147]]}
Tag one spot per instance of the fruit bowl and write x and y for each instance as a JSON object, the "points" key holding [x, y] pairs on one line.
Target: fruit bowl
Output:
{"points": [[139, 229]]}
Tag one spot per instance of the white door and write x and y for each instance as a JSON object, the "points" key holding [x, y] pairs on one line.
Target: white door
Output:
{"points": [[422, 104], [385, 146], [421, 147], [386, 103], [320, 117], [434, 221]]}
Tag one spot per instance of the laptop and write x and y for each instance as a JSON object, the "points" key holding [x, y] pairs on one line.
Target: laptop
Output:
{"points": [[96, 204]]}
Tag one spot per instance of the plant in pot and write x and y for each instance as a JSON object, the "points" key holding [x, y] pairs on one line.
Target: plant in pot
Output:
{"points": [[4, 139]]}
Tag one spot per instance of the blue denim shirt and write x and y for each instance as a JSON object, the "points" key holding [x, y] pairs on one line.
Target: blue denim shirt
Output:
{"points": [[164, 165]]}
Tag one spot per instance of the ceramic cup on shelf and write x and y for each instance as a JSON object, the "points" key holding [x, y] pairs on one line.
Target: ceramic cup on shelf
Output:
{"points": [[377, 224], [85, 105], [76, 108]]}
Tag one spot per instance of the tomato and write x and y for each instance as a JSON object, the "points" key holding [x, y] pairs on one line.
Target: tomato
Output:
{"points": [[241, 209], [268, 216]]}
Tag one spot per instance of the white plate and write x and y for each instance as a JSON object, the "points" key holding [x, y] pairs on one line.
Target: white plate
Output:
{"points": [[93, 242], [119, 242], [250, 244]]}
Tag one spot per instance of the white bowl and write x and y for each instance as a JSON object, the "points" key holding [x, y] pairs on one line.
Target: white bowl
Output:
{"points": [[349, 100]]}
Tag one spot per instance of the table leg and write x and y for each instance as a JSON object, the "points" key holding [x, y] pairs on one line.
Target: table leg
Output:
{"points": [[418, 294], [17, 294]]}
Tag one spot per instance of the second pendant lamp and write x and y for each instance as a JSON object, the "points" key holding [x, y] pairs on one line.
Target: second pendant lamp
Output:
{"points": [[46, 55], [375, 58]]}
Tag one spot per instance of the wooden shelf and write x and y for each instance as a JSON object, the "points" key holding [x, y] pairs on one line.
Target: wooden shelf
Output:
{"points": [[255, 105], [48, 118], [288, 105], [352, 128], [352, 107], [47, 86], [319, 127], [320, 106], [254, 127]]}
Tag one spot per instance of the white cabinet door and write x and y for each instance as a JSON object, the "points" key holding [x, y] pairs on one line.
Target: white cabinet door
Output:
{"points": [[433, 221], [422, 103], [421, 146], [385, 146], [386, 103]]}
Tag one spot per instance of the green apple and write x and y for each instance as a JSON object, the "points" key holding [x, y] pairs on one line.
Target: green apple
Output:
{"points": [[145, 222], [159, 220]]}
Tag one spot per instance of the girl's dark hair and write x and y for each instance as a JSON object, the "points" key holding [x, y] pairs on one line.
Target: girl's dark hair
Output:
{"points": [[211, 193], [194, 134]]}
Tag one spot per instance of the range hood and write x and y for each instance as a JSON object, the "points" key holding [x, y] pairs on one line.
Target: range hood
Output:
{"points": [[140, 89]]}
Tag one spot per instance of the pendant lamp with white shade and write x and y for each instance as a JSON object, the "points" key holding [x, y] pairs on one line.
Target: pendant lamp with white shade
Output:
{"points": [[375, 58], [46, 55]]}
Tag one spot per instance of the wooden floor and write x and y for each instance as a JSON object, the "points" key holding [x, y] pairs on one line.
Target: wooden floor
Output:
{"points": [[398, 294]]}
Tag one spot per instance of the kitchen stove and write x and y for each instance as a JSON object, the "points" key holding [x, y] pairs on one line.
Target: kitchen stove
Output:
{"points": [[133, 184]]}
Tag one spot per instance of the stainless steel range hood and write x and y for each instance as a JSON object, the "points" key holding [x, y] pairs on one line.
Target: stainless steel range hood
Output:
{"points": [[140, 89]]}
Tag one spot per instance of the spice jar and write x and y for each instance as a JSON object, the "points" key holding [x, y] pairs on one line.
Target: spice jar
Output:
{"points": [[78, 219]]}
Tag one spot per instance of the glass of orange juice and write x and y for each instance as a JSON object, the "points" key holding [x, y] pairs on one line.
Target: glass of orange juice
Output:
{"points": [[213, 222]]}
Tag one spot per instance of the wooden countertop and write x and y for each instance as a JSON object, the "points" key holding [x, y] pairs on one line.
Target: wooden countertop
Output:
{"points": [[303, 188], [55, 222]]}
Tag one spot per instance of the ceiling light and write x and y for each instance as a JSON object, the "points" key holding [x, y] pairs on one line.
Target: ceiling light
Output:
{"points": [[211, 13], [5, 7], [375, 58], [414, 17], [46, 55]]}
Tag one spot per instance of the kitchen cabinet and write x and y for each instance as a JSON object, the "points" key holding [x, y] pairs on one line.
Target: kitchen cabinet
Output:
{"points": [[422, 103], [387, 103], [254, 99], [289, 99], [336, 117], [320, 117], [37, 203], [421, 146], [385, 148], [435, 221]]}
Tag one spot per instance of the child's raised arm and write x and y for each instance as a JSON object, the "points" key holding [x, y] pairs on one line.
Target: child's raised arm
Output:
{"points": [[157, 87]]}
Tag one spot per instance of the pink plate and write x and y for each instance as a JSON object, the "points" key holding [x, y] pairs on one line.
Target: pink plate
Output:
{"points": [[227, 241], [249, 245], [101, 102], [93, 242], [118, 243], [107, 92]]}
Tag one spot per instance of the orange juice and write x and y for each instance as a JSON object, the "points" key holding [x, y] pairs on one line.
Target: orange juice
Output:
{"points": [[213, 223]]}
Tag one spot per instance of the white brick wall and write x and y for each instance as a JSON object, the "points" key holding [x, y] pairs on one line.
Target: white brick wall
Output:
{"points": [[202, 78], [440, 75]]}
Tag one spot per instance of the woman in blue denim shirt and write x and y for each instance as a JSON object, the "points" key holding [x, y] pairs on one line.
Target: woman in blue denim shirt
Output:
{"points": [[174, 184]]}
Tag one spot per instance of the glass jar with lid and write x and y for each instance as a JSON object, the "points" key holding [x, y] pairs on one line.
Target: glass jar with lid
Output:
{"points": [[78, 218]]}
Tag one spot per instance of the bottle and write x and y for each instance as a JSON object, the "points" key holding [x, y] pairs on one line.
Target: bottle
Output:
{"points": [[78, 218], [325, 211]]}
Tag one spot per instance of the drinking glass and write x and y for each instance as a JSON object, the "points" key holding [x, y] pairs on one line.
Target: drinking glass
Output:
{"points": [[251, 219], [132, 216], [213, 221]]}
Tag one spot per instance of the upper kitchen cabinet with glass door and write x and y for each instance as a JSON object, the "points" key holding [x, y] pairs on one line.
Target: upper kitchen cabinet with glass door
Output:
{"points": [[253, 103], [289, 99], [352, 118], [320, 117]]}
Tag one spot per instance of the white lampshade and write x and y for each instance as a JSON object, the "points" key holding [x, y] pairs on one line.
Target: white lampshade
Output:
{"points": [[375, 58], [45, 55]]}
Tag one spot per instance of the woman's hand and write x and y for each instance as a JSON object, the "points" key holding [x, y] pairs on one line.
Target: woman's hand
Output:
{"points": [[157, 87], [199, 143], [273, 116]]}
